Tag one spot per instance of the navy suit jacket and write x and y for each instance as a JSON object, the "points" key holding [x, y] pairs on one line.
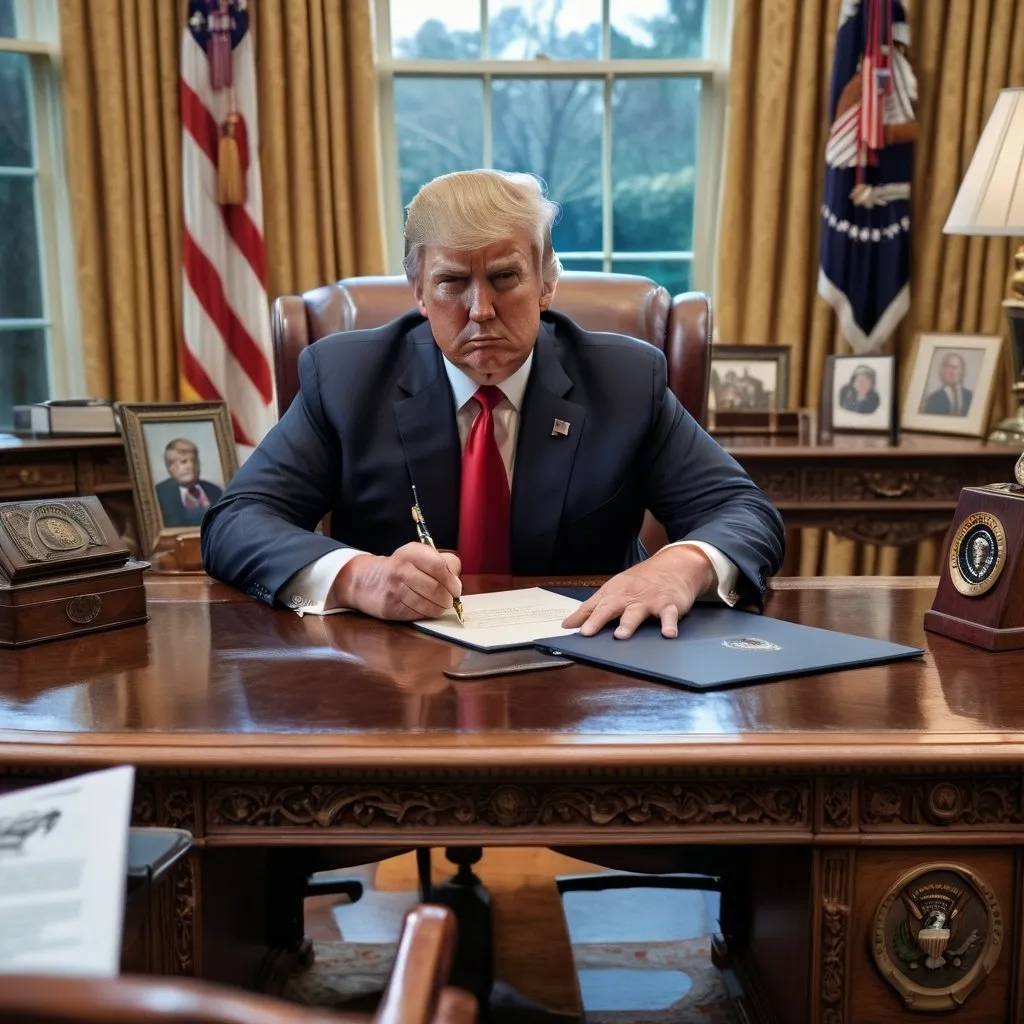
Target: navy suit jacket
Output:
{"points": [[938, 403], [173, 511], [375, 414]]}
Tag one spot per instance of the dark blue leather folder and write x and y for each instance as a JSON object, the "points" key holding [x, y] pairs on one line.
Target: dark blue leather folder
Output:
{"points": [[719, 647]]}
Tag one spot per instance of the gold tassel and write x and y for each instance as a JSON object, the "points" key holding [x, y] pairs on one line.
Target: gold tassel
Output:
{"points": [[230, 180]]}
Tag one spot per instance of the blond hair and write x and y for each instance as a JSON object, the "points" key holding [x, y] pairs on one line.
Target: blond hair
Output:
{"points": [[470, 209]]}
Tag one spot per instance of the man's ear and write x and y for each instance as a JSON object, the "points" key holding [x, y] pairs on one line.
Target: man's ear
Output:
{"points": [[417, 292], [547, 294]]}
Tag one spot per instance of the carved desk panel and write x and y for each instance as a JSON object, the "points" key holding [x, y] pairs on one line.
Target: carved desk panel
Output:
{"points": [[865, 489]]}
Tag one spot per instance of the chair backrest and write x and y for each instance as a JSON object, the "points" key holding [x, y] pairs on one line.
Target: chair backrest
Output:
{"points": [[622, 303], [416, 992]]}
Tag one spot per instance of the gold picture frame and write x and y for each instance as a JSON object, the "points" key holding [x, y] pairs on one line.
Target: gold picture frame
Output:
{"points": [[157, 436]]}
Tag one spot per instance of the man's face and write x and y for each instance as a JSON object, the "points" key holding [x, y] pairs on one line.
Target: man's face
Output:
{"points": [[183, 465], [484, 305], [952, 370]]}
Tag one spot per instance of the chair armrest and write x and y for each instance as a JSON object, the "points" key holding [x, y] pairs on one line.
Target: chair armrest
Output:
{"points": [[425, 951], [289, 335]]}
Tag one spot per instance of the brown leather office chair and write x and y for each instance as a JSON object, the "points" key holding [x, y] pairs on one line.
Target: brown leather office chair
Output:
{"points": [[621, 303], [416, 992]]}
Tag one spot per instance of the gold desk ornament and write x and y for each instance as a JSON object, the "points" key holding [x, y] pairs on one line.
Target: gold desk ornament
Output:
{"points": [[937, 934], [64, 571], [980, 596]]}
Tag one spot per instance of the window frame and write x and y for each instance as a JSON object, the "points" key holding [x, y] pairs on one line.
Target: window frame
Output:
{"points": [[712, 72], [38, 39]]}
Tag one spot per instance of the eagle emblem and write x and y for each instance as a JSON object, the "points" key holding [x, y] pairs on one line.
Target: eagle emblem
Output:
{"points": [[937, 935]]}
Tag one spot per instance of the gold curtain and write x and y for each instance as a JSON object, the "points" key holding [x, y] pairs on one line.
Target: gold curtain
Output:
{"points": [[963, 52], [323, 209], [319, 157], [119, 83]]}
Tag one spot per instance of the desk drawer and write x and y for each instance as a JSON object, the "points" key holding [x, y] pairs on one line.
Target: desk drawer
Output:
{"points": [[110, 469], [23, 478]]}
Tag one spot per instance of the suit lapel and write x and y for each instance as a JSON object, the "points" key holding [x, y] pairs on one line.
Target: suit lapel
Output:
{"points": [[426, 422], [544, 459]]}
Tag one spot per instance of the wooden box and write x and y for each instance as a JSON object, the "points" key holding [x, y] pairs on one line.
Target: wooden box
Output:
{"points": [[64, 571]]}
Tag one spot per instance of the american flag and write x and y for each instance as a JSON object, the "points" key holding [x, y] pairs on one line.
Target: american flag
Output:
{"points": [[225, 352], [865, 233]]}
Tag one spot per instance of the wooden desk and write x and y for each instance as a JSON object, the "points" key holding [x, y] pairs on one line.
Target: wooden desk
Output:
{"points": [[864, 489], [253, 728]]}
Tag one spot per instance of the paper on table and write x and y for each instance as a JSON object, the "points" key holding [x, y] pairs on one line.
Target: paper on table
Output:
{"points": [[63, 869], [506, 619]]}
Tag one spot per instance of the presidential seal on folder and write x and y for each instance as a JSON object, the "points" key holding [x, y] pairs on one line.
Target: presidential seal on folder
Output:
{"points": [[980, 597]]}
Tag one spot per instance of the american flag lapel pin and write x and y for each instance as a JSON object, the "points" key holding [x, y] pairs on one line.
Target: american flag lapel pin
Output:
{"points": [[560, 427]]}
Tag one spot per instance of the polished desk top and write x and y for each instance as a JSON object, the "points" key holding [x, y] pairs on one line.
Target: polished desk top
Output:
{"points": [[215, 679]]}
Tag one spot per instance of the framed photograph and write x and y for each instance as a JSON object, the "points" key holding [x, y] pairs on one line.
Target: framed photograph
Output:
{"points": [[749, 378], [949, 390], [858, 394], [181, 456]]}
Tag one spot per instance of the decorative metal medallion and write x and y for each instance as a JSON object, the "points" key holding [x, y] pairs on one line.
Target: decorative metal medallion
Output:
{"points": [[750, 643], [1018, 471], [83, 609], [977, 554], [937, 934]]}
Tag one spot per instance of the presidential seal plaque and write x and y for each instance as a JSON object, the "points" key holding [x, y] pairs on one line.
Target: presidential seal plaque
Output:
{"points": [[980, 597], [937, 934]]}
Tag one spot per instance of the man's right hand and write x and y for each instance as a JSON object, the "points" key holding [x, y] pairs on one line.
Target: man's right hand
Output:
{"points": [[416, 582]]}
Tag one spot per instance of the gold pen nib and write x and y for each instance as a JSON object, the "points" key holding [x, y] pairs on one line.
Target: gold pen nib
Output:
{"points": [[458, 611]]}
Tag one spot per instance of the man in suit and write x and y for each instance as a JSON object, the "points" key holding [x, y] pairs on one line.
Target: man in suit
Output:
{"points": [[183, 497], [535, 446], [952, 399]]}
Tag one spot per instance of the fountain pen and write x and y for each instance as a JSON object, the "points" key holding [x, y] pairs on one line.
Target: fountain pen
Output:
{"points": [[424, 535]]}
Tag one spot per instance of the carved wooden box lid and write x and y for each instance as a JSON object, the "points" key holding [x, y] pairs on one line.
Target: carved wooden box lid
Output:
{"points": [[55, 537]]}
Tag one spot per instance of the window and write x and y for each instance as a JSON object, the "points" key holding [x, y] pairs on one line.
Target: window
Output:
{"points": [[33, 212], [617, 104]]}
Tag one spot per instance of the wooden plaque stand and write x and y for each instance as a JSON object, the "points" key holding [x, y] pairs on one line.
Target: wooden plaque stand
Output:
{"points": [[980, 598]]}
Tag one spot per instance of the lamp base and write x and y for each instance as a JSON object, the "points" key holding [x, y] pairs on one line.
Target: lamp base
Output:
{"points": [[1010, 431]]}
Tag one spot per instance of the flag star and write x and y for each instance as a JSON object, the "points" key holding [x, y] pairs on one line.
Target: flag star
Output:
{"points": [[197, 21], [876, 235]]}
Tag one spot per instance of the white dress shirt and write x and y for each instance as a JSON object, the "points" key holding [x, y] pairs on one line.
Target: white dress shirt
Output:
{"points": [[307, 590]]}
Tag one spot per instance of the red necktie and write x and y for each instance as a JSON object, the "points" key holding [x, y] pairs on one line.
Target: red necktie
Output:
{"points": [[484, 499], [195, 497]]}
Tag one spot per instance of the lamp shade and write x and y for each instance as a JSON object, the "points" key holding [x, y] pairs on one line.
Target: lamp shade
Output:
{"points": [[991, 196]]}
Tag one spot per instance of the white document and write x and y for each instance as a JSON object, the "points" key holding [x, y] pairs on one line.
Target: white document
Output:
{"points": [[63, 872], [508, 618]]}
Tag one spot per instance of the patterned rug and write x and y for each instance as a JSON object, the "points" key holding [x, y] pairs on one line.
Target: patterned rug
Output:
{"points": [[343, 972]]}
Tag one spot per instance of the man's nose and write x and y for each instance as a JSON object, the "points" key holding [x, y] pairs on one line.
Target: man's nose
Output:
{"points": [[481, 301]]}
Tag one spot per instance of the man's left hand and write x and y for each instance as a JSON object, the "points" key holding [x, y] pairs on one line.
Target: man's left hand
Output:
{"points": [[666, 585]]}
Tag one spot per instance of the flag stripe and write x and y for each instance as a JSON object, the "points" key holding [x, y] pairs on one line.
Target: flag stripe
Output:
{"points": [[225, 346], [203, 387], [198, 122], [209, 289]]}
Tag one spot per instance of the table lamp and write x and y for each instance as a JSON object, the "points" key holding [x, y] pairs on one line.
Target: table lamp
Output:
{"points": [[991, 202]]}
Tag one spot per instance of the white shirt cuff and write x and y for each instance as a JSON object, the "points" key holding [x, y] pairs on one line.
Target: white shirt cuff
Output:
{"points": [[306, 592], [725, 570]]}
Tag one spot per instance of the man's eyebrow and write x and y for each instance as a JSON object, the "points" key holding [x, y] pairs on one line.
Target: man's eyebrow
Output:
{"points": [[447, 270], [505, 263]]}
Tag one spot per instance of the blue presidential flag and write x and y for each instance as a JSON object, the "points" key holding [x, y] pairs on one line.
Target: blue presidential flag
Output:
{"points": [[865, 232]]}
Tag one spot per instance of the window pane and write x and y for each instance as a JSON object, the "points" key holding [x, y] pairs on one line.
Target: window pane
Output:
{"points": [[552, 128], [23, 375], [659, 28], [15, 111], [522, 29], [429, 30], [439, 122], [673, 275], [20, 281], [8, 29], [654, 156]]}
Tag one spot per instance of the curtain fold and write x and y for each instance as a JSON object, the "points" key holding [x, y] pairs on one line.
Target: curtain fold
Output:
{"points": [[319, 138], [119, 85], [963, 52], [323, 214]]}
